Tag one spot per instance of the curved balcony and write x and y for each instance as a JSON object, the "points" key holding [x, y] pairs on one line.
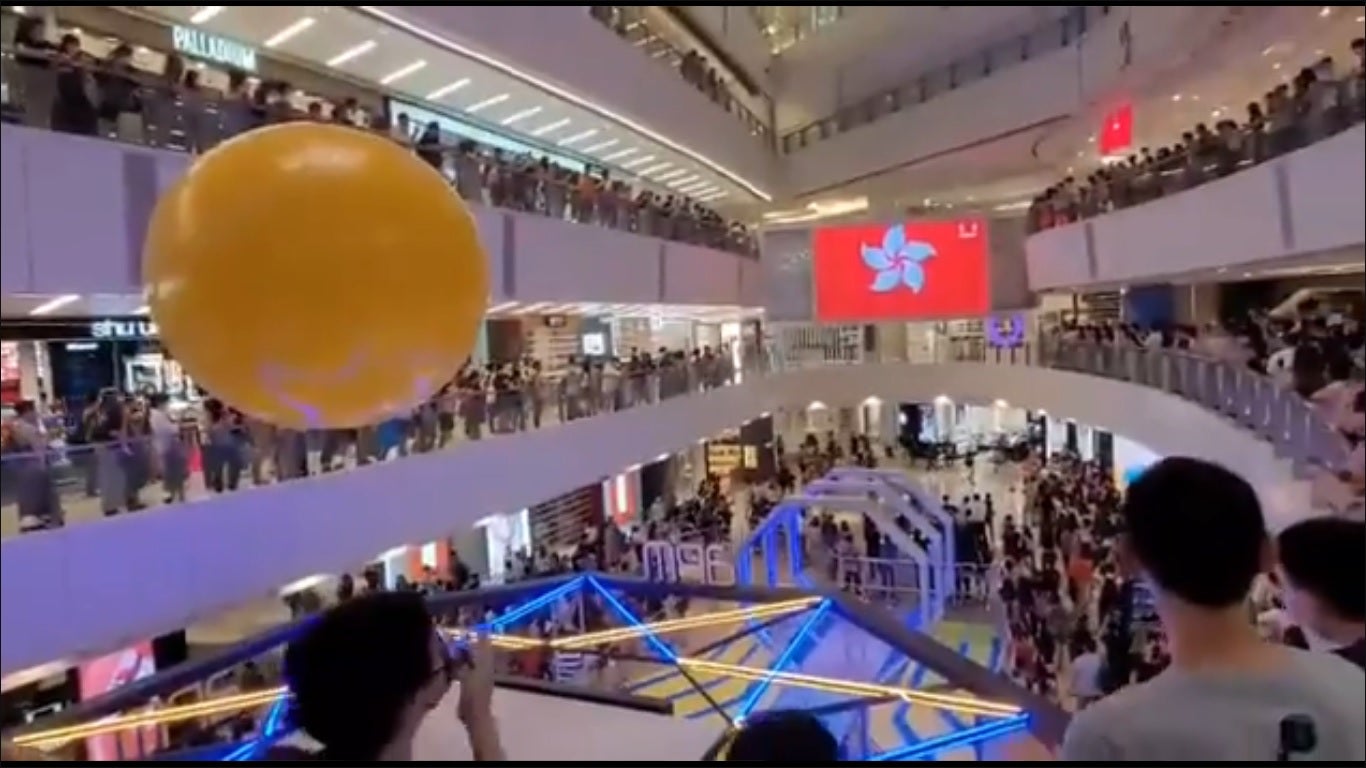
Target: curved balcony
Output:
{"points": [[210, 555]]}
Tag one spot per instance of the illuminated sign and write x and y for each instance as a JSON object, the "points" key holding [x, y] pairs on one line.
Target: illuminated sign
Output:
{"points": [[199, 44], [1006, 331], [903, 271], [695, 563], [123, 330]]}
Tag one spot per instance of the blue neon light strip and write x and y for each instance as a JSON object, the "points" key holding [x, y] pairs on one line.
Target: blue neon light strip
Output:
{"points": [[526, 609], [627, 615], [930, 747], [756, 694]]}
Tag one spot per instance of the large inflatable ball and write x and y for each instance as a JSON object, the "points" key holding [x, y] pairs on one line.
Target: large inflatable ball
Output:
{"points": [[315, 276]]}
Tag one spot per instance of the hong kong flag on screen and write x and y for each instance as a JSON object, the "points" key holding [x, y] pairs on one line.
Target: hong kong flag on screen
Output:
{"points": [[1117, 132], [901, 271]]}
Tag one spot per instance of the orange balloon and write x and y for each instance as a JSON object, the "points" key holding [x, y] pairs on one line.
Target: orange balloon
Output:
{"points": [[315, 276]]}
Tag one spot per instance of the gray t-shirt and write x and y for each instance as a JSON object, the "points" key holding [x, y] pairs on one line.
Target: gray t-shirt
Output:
{"points": [[1188, 716]]}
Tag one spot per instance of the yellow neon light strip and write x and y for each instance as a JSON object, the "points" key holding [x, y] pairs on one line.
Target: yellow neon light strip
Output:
{"points": [[963, 704], [506, 642], [237, 702]]}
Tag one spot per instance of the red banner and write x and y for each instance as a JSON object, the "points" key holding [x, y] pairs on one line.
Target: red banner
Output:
{"points": [[912, 271]]}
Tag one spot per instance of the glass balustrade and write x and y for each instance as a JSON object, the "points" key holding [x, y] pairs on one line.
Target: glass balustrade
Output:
{"points": [[1053, 35], [69, 484]]}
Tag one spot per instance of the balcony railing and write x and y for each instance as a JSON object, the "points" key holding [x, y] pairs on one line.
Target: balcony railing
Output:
{"points": [[1051, 36], [629, 23], [176, 115]]}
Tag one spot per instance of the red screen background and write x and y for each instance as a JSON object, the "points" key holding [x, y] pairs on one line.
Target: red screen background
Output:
{"points": [[956, 278]]}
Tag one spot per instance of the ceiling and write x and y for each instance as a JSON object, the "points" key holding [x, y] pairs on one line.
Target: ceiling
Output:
{"points": [[15, 306], [362, 43], [1236, 71]]}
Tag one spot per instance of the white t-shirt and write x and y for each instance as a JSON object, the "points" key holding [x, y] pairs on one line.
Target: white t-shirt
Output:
{"points": [[1085, 676]]}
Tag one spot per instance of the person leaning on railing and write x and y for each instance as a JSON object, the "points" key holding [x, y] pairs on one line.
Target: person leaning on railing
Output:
{"points": [[66, 90]]}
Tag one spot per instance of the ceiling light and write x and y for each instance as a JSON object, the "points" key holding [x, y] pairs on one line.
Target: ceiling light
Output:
{"points": [[713, 196], [486, 103], [580, 136], [355, 51], [23, 9], [402, 72], [694, 187], [448, 89], [524, 114], [1176, 97], [601, 145], [52, 305], [1091, 140], [675, 173], [657, 167], [205, 13], [637, 161], [1325, 11], [1277, 65], [686, 181], [548, 127], [289, 32], [143, 310], [380, 13], [620, 154], [1361, 19]]}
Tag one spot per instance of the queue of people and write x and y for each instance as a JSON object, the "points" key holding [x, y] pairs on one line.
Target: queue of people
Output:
{"points": [[1319, 102], [61, 87]]}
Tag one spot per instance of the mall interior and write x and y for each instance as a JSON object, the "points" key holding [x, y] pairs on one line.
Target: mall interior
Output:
{"points": [[822, 348]]}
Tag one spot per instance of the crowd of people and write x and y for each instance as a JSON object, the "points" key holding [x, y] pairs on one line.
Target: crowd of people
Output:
{"points": [[60, 86], [1316, 354], [1320, 101], [628, 22], [119, 447]]}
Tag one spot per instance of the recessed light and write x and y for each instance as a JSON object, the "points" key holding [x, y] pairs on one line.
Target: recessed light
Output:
{"points": [[290, 32], [52, 305], [675, 173], [656, 168], [549, 127], [402, 72], [620, 153], [205, 13], [1091, 140], [486, 103], [1176, 97], [601, 145], [580, 136], [1325, 11], [524, 114], [354, 52], [1277, 65], [448, 89], [637, 161]]}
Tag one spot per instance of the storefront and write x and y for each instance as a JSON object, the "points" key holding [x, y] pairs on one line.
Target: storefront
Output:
{"points": [[72, 359]]}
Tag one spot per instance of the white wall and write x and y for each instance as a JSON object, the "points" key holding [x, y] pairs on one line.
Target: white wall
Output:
{"points": [[81, 590]]}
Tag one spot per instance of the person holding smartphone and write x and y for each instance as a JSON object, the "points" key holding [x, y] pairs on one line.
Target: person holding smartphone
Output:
{"points": [[369, 671]]}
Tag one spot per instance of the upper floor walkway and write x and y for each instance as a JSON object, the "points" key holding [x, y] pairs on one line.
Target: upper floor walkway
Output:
{"points": [[1251, 197], [66, 592], [76, 208]]}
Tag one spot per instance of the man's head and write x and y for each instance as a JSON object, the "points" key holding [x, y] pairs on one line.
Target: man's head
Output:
{"points": [[1196, 530], [1321, 562], [785, 736], [365, 673]]}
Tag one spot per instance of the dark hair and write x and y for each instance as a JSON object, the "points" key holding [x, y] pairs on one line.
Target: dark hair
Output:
{"points": [[783, 736], [356, 667], [1326, 556], [1197, 530]]}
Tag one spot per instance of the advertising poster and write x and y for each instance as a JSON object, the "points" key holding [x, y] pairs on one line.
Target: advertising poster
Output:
{"points": [[109, 673]]}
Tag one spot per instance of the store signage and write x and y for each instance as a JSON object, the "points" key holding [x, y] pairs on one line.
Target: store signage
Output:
{"points": [[123, 330], [220, 50], [690, 562], [1006, 331]]}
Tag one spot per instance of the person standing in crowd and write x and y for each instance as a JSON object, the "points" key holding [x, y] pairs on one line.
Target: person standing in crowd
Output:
{"points": [[369, 671], [1197, 533], [1321, 562], [39, 506], [108, 433], [171, 457]]}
